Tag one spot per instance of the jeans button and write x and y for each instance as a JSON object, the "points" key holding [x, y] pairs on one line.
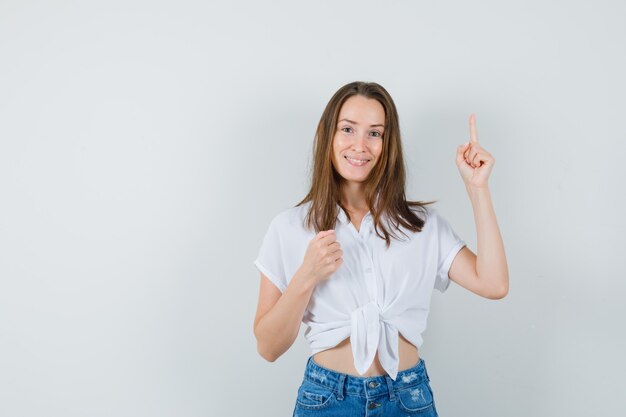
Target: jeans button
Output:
{"points": [[373, 384]]}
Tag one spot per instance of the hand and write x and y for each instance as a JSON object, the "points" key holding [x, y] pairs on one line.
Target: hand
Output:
{"points": [[474, 162], [323, 257]]}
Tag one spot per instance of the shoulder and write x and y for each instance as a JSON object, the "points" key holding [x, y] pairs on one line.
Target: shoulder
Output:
{"points": [[432, 213], [431, 216], [291, 218], [427, 213]]}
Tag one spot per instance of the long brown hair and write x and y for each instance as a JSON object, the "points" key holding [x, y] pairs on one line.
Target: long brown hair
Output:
{"points": [[385, 185]]}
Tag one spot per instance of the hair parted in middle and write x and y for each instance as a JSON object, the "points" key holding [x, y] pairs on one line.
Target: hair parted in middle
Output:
{"points": [[384, 187]]}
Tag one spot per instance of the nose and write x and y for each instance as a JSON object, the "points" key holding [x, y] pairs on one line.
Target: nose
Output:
{"points": [[359, 142]]}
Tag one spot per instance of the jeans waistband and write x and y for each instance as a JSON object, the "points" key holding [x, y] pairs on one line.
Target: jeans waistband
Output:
{"points": [[371, 386]]}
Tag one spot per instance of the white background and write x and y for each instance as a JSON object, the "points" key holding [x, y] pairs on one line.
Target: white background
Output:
{"points": [[145, 146]]}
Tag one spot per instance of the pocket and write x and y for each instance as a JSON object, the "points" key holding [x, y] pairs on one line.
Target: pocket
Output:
{"points": [[312, 396], [418, 399]]}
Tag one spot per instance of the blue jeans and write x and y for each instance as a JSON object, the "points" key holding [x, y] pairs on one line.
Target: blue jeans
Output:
{"points": [[324, 392]]}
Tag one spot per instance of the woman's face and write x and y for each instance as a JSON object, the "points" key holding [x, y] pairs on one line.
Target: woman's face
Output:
{"points": [[358, 140]]}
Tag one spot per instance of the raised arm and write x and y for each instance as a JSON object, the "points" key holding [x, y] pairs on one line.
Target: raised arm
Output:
{"points": [[485, 273]]}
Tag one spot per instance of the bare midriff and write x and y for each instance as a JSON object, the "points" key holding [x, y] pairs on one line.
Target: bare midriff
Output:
{"points": [[339, 358]]}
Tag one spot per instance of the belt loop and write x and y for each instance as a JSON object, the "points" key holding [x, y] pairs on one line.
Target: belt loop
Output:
{"points": [[425, 370], [392, 393], [342, 379]]}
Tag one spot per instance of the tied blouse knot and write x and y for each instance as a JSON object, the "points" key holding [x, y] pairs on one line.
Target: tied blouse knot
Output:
{"points": [[376, 293]]}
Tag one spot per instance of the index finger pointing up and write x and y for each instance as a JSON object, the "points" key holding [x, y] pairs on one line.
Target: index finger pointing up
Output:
{"points": [[473, 132]]}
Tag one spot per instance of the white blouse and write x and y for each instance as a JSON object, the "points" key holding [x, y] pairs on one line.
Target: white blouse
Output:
{"points": [[376, 292]]}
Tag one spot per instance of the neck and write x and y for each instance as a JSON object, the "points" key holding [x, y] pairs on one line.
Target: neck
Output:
{"points": [[353, 197]]}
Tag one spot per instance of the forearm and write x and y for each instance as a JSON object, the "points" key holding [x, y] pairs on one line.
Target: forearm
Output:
{"points": [[491, 265], [279, 327]]}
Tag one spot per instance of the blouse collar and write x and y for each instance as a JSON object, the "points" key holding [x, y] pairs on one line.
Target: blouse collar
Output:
{"points": [[343, 217]]}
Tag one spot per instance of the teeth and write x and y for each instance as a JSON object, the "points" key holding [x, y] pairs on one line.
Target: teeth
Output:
{"points": [[356, 160]]}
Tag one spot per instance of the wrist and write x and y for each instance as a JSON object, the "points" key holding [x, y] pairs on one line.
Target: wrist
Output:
{"points": [[472, 189], [304, 280]]}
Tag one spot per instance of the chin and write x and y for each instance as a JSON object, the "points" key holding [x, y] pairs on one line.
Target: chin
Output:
{"points": [[353, 179]]}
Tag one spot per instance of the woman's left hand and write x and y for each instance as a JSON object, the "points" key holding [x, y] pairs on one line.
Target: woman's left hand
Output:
{"points": [[474, 162]]}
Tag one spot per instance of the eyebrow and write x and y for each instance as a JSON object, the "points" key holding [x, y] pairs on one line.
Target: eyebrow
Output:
{"points": [[355, 123]]}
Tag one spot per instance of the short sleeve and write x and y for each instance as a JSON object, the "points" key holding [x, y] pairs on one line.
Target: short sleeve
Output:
{"points": [[269, 260], [449, 244]]}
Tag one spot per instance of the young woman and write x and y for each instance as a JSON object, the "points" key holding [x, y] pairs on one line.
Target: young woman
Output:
{"points": [[357, 263]]}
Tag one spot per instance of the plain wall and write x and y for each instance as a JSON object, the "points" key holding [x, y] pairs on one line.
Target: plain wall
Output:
{"points": [[145, 146]]}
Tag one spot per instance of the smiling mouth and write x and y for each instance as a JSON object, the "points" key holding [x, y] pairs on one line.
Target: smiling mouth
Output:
{"points": [[356, 162]]}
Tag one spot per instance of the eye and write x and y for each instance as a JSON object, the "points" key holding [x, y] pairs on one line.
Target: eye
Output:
{"points": [[343, 129], [376, 133]]}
